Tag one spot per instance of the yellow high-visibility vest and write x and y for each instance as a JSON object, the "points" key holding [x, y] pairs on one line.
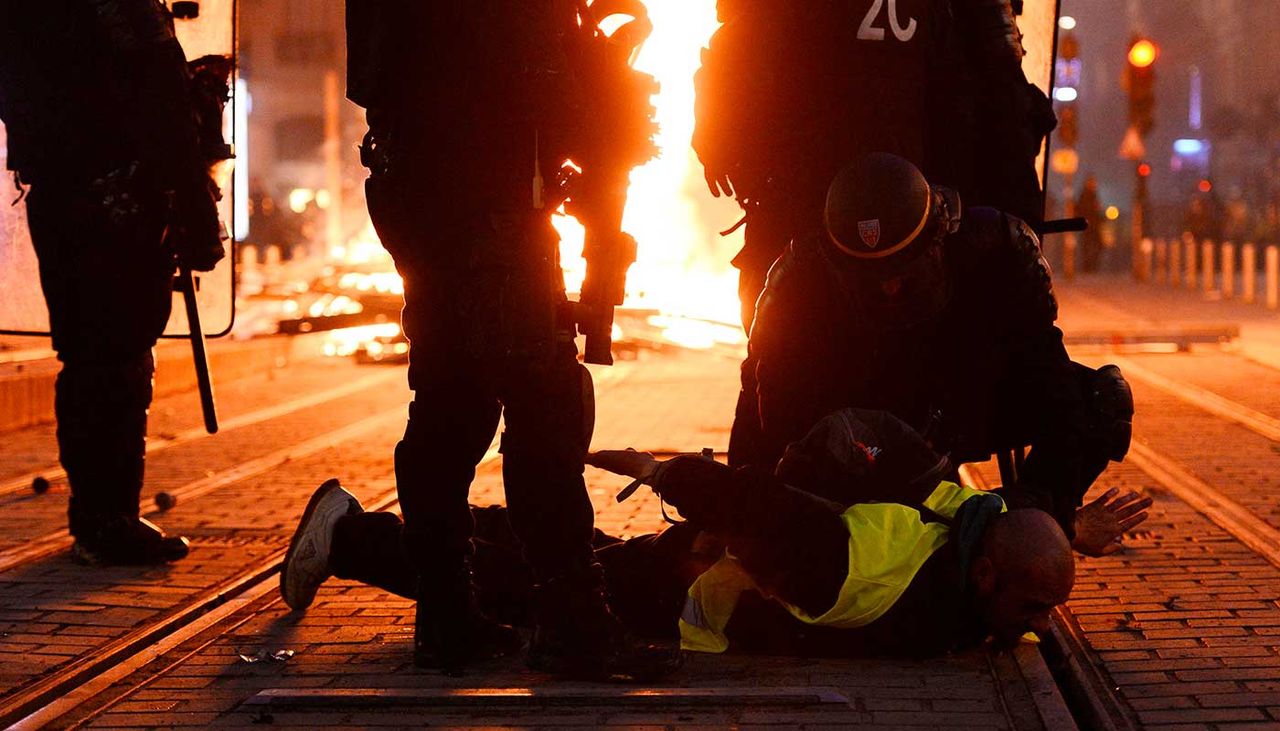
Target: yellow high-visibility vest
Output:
{"points": [[888, 543]]}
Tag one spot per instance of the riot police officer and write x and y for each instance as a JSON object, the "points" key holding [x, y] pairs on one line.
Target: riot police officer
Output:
{"points": [[790, 92], [96, 101], [945, 319], [468, 104]]}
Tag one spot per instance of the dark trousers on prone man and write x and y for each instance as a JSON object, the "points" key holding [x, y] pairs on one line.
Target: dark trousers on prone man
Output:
{"points": [[900, 561]]}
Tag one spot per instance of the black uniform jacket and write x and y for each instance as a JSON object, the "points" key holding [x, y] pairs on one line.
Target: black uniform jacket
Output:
{"points": [[989, 372]]}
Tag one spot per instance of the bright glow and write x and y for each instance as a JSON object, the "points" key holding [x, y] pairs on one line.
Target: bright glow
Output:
{"points": [[299, 198], [1205, 186], [379, 282], [342, 343], [1188, 146], [1112, 213], [1067, 22], [363, 248], [1065, 94], [1195, 113], [683, 264], [323, 199], [1144, 170], [1143, 53], [241, 105]]}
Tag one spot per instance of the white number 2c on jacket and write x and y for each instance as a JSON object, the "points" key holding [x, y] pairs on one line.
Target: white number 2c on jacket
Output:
{"points": [[868, 32]]}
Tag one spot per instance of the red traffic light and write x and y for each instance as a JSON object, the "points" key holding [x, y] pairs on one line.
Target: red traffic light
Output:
{"points": [[1143, 53], [1144, 170]]}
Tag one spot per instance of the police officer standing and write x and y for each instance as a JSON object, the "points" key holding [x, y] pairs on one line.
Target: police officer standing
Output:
{"points": [[790, 92], [471, 107], [95, 96]]}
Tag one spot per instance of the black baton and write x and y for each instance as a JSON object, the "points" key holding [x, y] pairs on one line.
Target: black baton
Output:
{"points": [[187, 285]]}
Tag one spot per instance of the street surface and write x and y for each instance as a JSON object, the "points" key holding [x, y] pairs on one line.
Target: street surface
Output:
{"points": [[1181, 630]]}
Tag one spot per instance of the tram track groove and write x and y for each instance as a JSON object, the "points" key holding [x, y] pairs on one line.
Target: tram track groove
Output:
{"points": [[22, 483], [67, 689], [59, 540], [88, 675], [1204, 399]]}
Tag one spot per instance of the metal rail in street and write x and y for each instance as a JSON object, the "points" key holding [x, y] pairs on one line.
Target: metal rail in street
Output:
{"points": [[61, 540], [22, 483], [68, 689]]}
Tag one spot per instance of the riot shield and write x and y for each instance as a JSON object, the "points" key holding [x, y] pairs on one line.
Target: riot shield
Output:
{"points": [[1039, 26], [22, 308]]}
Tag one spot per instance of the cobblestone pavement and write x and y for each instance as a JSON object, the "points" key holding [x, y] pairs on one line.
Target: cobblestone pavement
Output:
{"points": [[1179, 631], [56, 616], [1182, 629]]}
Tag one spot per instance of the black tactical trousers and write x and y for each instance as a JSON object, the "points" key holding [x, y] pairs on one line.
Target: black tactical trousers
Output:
{"points": [[646, 577], [791, 541], [482, 288], [108, 286]]}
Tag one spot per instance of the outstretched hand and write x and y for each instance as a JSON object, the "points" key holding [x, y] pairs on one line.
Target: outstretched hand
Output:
{"points": [[1101, 525], [629, 462]]}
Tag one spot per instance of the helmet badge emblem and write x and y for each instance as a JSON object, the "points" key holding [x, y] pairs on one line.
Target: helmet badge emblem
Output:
{"points": [[870, 232]]}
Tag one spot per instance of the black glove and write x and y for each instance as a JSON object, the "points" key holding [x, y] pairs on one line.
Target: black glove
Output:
{"points": [[196, 233]]}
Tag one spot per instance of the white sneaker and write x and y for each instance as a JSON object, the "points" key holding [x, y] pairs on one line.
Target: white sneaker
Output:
{"points": [[306, 565]]}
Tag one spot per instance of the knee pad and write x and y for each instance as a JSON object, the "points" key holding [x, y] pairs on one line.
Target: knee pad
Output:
{"points": [[108, 387], [588, 407], [1110, 407]]}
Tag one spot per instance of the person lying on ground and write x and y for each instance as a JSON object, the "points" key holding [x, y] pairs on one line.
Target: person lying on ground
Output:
{"points": [[916, 565]]}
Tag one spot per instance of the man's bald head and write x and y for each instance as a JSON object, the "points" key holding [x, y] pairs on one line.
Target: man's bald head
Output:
{"points": [[1023, 569]]}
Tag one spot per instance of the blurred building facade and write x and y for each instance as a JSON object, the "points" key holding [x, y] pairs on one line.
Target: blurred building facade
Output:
{"points": [[1216, 91], [306, 187]]}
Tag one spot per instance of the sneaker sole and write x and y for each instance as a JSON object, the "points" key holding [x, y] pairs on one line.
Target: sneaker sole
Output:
{"points": [[318, 498]]}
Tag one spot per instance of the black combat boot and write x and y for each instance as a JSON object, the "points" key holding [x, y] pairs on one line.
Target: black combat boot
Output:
{"points": [[450, 632], [578, 637], [101, 408], [128, 541]]}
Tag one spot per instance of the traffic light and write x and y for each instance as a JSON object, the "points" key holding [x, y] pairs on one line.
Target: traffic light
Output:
{"points": [[1140, 80]]}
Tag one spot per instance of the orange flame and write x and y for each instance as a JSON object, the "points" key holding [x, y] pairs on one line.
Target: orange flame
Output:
{"points": [[683, 268]]}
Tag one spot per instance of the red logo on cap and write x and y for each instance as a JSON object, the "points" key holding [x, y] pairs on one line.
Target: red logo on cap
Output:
{"points": [[870, 232]]}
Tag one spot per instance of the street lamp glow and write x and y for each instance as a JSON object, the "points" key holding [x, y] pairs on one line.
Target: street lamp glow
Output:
{"points": [[1067, 22], [1142, 53], [1065, 94], [1112, 213]]}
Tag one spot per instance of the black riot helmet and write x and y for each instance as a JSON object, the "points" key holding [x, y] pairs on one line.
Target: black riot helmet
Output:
{"points": [[885, 225]]}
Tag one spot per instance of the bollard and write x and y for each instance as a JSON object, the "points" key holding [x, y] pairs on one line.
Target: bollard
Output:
{"points": [[1189, 258], [1145, 253], [1069, 256], [1162, 260], [1175, 263], [1206, 266], [1228, 270], [1249, 273], [1273, 277]]}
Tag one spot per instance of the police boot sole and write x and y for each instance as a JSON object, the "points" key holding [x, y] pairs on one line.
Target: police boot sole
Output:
{"points": [[166, 550], [635, 667], [501, 643]]}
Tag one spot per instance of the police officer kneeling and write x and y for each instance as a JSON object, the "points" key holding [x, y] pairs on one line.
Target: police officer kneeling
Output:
{"points": [[946, 320]]}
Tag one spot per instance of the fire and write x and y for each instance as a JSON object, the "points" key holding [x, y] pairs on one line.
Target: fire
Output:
{"points": [[683, 272], [683, 268]]}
